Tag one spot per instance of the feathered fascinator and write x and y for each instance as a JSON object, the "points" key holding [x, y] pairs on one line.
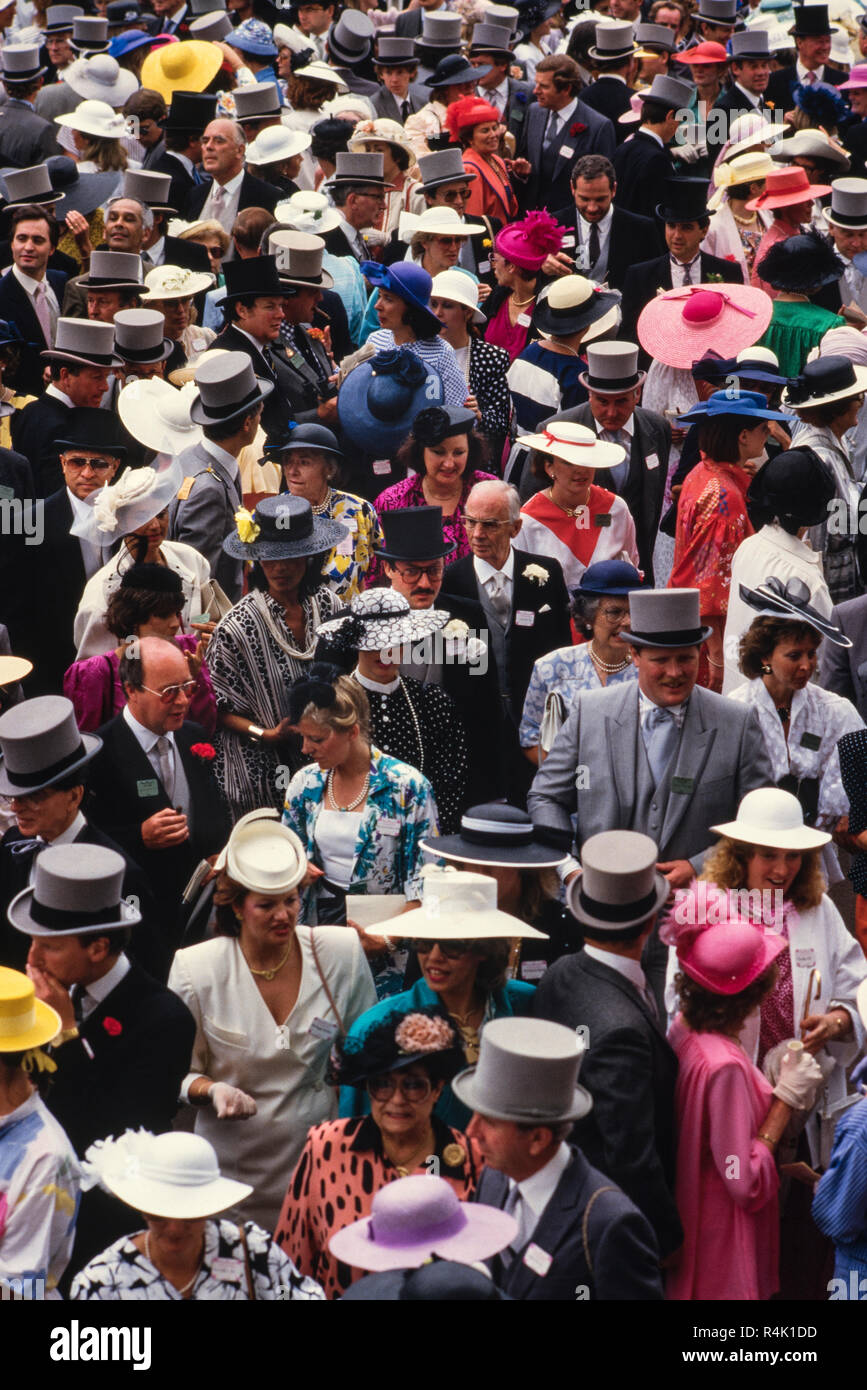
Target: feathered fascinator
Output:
{"points": [[529, 242], [315, 688], [822, 103], [801, 263]]}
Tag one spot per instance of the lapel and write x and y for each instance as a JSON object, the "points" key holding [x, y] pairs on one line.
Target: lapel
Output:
{"points": [[536, 132], [622, 735], [24, 315], [115, 1005], [137, 769], [696, 741], [556, 1225]]}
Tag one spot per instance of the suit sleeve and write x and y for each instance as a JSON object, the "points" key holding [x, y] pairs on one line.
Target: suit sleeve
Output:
{"points": [[194, 520], [604, 141], [835, 673], [623, 1251], [551, 800], [754, 765]]}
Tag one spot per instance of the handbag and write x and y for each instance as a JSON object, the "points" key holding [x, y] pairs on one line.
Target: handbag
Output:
{"points": [[215, 601], [553, 719]]}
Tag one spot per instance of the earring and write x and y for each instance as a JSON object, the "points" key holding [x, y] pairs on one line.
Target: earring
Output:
{"points": [[766, 670]]}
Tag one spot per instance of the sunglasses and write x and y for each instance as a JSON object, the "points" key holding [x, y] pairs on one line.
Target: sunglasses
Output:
{"points": [[171, 692], [410, 1087], [452, 950], [98, 465]]}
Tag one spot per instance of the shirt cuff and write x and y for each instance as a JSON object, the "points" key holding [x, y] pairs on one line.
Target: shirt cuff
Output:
{"points": [[566, 868]]}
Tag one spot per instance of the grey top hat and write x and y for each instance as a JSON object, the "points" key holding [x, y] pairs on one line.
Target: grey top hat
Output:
{"points": [[506, 16], [29, 186], [257, 100], [84, 341], [90, 34], [848, 204], [655, 36], [718, 11], [491, 38], [665, 618], [227, 387], [299, 258], [199, 7], [353, 167], [20, 63], [751, 43], [669, 91], [527, 1072], [440, 31], [351, 39], [139, 335], [443, 166], [395, 51], [148, 187], [612, 368], [113, 270], [41, 744], [210, 28], [77, 888], [619, 886], [59, 19], [613, 41]]}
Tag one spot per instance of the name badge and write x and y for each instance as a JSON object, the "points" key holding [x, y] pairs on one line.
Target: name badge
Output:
{"points": [[537, 1259], [148, 786], [805, 959], [524, 618], [569, 239], [389, 825], [344, 547], [533, 969], [604, 519], [517, 114], [483, 267], [652, 461], [321, 1028], [225, 1268], [382, 466], [813, 741], [524, 320], [684, 785], [565, 152]]}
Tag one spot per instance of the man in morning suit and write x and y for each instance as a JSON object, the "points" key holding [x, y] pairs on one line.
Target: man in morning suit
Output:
{"points": [[231, 187], [812, 34], [525, 603], [125, 1041], [579, 1236], [155, 796], [558, 129], [181, 150], [629, 1068], [396, 68], [614, 60], [35, 736], [26, 138], [749, 76], [31, 295], [491, 49], [660, 755], [613, 384], [602, 240], [643, 164]]}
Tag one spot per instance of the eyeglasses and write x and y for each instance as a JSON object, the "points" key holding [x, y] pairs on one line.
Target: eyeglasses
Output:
{"points": [[452, 950], [471, 522], [449, 240], [614, 615], [98, 465], [414, 572], [171, 692], [27, 798], [410, 1087], [456, 195]]}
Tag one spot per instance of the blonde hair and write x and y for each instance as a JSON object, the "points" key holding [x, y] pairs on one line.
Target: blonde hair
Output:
{"points": [[727, 864], [350, 707], [107, 155]]}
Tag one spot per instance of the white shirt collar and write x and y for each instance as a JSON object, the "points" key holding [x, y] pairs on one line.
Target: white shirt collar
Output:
{"points": [[538, 1189], [67, 836], [630, 969], [157, 251], [229, 462], [645, 705], [233, 186], [100, 989], [182, 159], [53, 390], [602, 225], [484, 571], [750, 96], [565, 115], [27, 283], [260, 343], [146, 738], [802, 70], [367, 684]]}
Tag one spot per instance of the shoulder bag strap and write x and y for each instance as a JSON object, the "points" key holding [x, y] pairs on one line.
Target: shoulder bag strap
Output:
{"points": [[251, 1287], [337, 1014], [585, 1224]]}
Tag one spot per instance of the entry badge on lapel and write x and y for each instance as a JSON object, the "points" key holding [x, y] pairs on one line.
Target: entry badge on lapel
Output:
{"points": [[811, 741], [684, 785], [537, 1259], [148, 786]]}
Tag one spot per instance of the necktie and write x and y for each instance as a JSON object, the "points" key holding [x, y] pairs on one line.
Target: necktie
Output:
{"points": [[687, 275], [78, 997], [404, 111], [594, 245], [660, 740], [197, 178], [810, 78], [517, 1207], [499, 599], [552, 129], [43, 313], [166, 755], [33, 846]]}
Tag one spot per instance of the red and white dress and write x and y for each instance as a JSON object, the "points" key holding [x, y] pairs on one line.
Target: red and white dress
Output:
{"points": [[602, 530]]}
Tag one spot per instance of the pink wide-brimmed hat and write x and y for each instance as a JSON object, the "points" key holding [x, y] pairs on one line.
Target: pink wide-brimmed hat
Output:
{"points": [[857, 79], [723, 958], [417, 1217], [527, 243], [679, 327]]}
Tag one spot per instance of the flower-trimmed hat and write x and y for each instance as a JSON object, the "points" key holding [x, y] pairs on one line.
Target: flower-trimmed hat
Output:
{"points": [[726, 957], [379, 619], [282, 528], [379, 399], [801, 264], [397, 1041], [136, 498]]}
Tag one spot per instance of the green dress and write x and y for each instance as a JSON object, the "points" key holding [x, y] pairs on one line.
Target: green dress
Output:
{"points": [[797, 327]]}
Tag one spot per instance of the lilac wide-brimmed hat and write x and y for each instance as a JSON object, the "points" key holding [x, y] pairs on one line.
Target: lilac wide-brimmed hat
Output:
{"points": [[417, 1217]]}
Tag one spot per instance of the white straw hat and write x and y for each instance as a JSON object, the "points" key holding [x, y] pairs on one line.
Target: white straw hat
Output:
{"points": [[774, 819], [321, 72], [263, 855], [136, 498], [158, 415], [461, 287], [458, 906], [436, 221], [277, 142], [174, 1175], [94, 118], [575, 444], [307, 211]]}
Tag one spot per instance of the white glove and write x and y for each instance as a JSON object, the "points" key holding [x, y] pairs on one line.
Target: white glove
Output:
{"points": [[229, 1103], [800, 1080]]}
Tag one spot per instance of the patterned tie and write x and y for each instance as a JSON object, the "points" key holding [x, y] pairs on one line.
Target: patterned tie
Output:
{"points": [[687, 274], [197, 178], [43, 313], [166, 755], [551, 130], [660, 734], [498, 597]]}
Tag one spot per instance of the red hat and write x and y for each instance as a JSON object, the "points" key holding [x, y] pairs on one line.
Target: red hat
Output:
{"points": [[703, 53], [786, 188], [529, 242], [469, 111]]}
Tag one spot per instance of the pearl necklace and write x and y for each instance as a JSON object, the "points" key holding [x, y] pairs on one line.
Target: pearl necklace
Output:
{"points": [[416, 724], [352, 804], [153, 1262], [322, 507], [606, 666]]}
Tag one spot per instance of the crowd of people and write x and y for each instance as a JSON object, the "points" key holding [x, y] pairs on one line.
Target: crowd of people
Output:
{"points": [[432, 463]]}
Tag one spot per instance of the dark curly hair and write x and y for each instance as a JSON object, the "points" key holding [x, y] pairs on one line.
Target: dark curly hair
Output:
{"points": [[763, 635], [354, 1059], [411, 452], [704, 1012]]}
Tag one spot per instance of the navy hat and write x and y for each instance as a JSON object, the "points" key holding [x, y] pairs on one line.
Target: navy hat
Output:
{"points": [[415, 534], [497, 835], [379, 400], [303, 437], [744, 404], [287, 530], [801, 264], [438, 422], [408, 280], [794, 488], [453, 69], [612, 577], [713, 368], [444, 1281], [776, 599], [9, 335]]}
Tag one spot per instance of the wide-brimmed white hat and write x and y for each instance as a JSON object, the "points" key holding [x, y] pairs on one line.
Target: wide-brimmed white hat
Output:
{"points": [[158, 415], [174, 1175], [94, 118], [460, 286], [277, 142], [174, 282], [382, 132], [100, 78], [318, 71], [307, 211], [458, 906], [436, 221], [575, 444], [774, 819], [382, 618], [136, 498], [812, 144], [263, 855]]}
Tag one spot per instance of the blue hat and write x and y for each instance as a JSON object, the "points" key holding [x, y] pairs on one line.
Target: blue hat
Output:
{"points": [[615, 577], [745, 404], [254, 36], [379, 400], [409, 281], [129, 41]]}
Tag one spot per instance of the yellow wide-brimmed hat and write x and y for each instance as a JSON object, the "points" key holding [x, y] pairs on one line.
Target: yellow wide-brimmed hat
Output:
{"points": [[25, 1021], [181, 67]]}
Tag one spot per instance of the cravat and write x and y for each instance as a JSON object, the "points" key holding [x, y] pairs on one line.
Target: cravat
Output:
{"points": [[33, 846], [498, 596], [594, 245], [660, 740], [166, 755], [43, 313]]}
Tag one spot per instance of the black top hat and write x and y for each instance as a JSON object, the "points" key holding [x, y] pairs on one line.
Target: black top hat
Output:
{"points": [[93, 429], [453, 69], [811, 21], [190, 111], [257, 275], [684, 200], [794, 488], [416, 534]]}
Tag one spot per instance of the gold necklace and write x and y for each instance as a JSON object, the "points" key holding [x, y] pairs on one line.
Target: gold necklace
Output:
{"points": [[269, 974], [570, 511], [519, 303], [746, 221], [403, 1170]]}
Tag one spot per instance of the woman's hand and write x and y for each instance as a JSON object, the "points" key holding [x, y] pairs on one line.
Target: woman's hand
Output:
{"points": [[230, 1103], [799, 1081], [559, 265], [370, 945], [195, 659], [79, 226], [520, 168], [472, 404], [776, 431], [484, 291], [280, 732], [819, 1029]]}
